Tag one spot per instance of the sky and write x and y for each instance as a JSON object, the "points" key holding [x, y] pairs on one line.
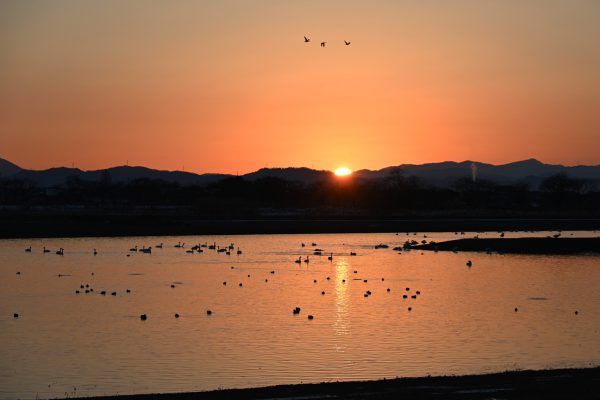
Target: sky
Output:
{"points": [[230, 86]]}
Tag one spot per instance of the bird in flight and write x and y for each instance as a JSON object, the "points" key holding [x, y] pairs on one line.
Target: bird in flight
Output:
{"points": [[306, 40], [346, 43], [323, 44]]}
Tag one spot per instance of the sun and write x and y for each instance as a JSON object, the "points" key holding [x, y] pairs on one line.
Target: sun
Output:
{"points": [[343, 171]]}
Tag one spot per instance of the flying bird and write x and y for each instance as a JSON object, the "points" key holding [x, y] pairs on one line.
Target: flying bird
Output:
{"points": [[323, 44], [306, 40], [347, 43]]}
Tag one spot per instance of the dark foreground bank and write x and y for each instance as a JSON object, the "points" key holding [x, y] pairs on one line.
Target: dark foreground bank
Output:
{"points": [[43, 225], [551, 245], [547, 384]]}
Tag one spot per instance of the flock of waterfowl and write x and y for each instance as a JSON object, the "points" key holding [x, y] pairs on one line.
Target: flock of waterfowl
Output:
{"points": [[231, 247]]}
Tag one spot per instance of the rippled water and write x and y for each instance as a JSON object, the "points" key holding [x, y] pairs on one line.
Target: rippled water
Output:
{"points": [[463, 321]]}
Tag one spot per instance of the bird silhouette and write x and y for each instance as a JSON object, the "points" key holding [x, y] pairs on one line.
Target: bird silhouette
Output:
{"points": [[346, 43], [306, 40], [323, 44]]}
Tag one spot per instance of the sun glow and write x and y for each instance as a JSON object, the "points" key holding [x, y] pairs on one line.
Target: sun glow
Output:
{"points": [[343, 171]]}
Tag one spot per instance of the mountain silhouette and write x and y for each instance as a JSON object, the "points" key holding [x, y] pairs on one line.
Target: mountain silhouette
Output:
{"points": [[8, 169], [442, 174]]}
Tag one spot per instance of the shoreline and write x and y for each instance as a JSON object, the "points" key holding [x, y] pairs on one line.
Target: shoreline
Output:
{"points": [[538, 245], [578, 383], [29, 226]]}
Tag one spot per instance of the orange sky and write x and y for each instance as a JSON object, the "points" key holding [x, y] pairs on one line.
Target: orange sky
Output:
{"points": [[229, 86]]}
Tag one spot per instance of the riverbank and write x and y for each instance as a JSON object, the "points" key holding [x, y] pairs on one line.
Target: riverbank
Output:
{"points": [[34, 225], [546, 384]]}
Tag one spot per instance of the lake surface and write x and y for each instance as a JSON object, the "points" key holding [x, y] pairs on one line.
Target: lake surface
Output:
{"points": [[463, 320]]}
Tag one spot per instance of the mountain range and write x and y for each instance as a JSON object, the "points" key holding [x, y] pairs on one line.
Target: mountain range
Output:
{"points": [[440, 174]]}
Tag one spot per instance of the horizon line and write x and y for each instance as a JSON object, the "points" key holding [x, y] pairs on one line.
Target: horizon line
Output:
{"points": [[295, 167]]}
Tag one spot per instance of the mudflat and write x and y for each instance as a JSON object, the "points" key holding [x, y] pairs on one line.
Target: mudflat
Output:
{"points": [[536, 245]]}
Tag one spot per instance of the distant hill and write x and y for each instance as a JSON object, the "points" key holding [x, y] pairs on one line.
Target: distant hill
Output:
{"points": [[121, 174], [442, 174], [446, 173], [8, 169], [305, 175]]}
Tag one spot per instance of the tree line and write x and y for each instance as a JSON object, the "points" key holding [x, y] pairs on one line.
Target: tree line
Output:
{"points": [[395, 194]]}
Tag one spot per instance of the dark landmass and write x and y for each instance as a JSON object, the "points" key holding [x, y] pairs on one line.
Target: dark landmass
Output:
{"points": [[84, 224], [125, 201], [551, 245], [547, 384]]}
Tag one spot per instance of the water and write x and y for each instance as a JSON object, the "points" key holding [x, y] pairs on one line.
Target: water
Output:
{"points": [[66, 344]]}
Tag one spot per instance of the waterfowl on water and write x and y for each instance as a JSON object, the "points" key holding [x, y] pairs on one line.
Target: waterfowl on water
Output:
{"points": [[28, 249]]}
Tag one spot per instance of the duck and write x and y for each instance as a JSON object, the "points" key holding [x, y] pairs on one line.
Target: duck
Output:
{"points": [[28, 249]]}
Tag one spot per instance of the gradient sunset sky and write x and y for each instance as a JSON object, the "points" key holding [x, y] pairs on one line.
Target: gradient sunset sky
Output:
{"points": [[230, 86]]}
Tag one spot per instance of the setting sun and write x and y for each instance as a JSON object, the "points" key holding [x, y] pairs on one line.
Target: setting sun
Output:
{"points": [[343, 171]]}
